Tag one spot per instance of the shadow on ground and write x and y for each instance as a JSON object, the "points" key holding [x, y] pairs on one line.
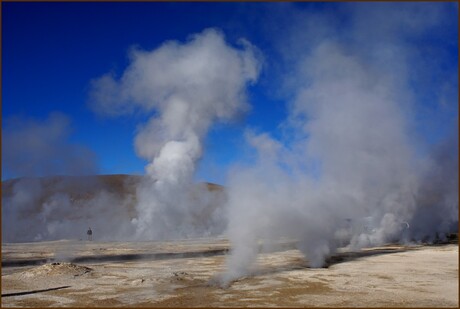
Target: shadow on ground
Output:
{"points": [[335, 259], [118, 258]]}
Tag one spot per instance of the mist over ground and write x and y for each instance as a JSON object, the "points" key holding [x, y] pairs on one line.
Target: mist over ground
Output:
{"points": [[348, 169]]}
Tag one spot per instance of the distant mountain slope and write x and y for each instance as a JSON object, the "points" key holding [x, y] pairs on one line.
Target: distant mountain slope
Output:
{"points": [[78, 186], [58, 207]]}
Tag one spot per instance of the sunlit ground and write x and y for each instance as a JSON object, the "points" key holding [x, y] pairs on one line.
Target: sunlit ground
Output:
{"points": [[183, 273]]}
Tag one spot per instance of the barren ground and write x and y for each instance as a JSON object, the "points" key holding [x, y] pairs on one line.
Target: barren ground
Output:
{"points": [[180, 274]]}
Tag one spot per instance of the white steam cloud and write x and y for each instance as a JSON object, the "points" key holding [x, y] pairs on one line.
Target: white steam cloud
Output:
{"points": [[35, 207], [348, 173], [54, 208], [187, 86]]}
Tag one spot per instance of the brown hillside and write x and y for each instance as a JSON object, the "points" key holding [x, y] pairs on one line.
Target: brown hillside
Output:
{"points": [[58, 207]]}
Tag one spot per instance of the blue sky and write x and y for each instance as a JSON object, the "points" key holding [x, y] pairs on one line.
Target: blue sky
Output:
{"points": [[52, 51]]}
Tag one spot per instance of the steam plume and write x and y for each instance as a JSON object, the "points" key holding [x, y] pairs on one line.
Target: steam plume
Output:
{"points": [[349, 173], [187, 87]]}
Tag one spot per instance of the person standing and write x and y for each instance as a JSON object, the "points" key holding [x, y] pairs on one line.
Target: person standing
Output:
{"points": [[90, 234]]}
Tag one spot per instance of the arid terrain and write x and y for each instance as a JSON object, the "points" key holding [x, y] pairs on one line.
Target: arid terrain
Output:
{"points": [[183, 274]]}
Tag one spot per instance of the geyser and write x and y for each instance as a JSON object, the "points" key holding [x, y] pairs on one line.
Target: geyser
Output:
{"points": [[186, 87]]}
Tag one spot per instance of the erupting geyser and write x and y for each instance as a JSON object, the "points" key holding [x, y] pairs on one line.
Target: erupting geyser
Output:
{"points": [[187, 87]]}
